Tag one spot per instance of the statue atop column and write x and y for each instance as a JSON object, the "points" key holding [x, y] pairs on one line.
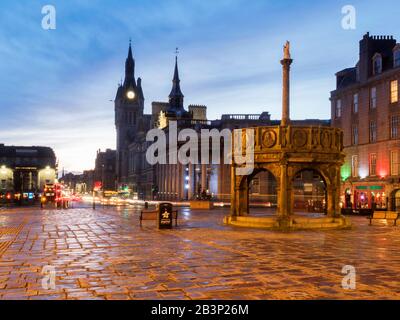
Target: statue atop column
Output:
{"points": [[286, 62], [286, 50]]}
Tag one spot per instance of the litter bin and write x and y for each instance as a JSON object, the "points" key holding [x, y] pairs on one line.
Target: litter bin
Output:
{"points": [[165, 215]]}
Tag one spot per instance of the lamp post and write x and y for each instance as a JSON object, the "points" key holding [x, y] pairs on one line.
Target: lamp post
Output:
{"points": [[94, 202]]}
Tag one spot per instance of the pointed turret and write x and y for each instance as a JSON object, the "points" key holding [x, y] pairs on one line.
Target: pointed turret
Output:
{"points": [[176, 96], [139, 87], [130, 69]]}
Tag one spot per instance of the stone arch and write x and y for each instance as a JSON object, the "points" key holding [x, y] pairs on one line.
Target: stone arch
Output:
{"points": [[241, 188], [314, 202], [275, 180], [320, 170], [263, 168], [395, 200], [331, 176], [284, 153]]}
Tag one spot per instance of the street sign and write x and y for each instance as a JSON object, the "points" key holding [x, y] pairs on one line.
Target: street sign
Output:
{"points": [[165, 216]]}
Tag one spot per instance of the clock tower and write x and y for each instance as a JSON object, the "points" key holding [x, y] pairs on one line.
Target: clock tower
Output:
{"points": [[129, 104]]}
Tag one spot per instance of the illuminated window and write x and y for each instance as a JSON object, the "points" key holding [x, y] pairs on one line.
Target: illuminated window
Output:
{"points": [[354, 166], [372, 164], [394, 91], [394, 127], [355, 135], [394, 163], [372, 131], [373, 98], [338, 109], [377, 63], [355, 103]]}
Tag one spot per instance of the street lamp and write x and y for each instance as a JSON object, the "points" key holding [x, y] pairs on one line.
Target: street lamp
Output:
{"points": [[6, 174], [46, 175]]}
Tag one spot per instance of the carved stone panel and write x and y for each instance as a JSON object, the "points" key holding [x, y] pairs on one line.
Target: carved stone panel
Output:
{"points": [[300, 138], [269, 139], [326, 139]]}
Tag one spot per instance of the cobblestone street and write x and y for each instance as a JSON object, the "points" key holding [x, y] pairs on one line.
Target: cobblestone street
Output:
{"points": [[105, 254]]}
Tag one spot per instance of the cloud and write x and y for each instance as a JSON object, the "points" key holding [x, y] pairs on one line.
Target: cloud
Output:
{"points": [[56, 86]]}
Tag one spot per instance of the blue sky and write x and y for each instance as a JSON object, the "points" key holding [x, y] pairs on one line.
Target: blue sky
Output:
{"points": [[56, 85]]}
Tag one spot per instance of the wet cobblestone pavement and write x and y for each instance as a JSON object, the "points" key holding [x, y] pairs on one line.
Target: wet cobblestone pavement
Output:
{"points": [[105, 254]]}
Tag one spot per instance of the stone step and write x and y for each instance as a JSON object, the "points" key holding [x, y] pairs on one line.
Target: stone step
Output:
{"points": [[317, 225], [313, 220], [253, 224], [298, 223]]}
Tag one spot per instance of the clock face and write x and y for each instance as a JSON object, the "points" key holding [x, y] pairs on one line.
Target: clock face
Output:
{"points": [[130, 94]]}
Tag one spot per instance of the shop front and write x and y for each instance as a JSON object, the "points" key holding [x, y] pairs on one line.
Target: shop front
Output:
{"points": [[366, 196]]}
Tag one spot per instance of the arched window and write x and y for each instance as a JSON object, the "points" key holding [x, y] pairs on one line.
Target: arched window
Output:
{"points": [[377, 63], [396, 56]]}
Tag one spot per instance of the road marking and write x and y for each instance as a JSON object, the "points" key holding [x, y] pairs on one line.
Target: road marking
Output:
{"points": [[6, 232]]}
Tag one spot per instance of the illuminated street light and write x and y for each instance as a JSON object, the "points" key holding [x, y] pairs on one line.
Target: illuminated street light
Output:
{"points": [[46, 175]]}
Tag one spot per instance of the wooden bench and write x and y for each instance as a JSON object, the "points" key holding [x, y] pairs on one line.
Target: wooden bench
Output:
{"points": [[385, 215], [153, 215]]}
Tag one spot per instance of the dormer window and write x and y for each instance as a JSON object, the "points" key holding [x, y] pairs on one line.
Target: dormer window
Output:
{"points": [[396, 56], [377, 63]]}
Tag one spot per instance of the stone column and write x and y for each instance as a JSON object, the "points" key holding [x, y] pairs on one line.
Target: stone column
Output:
{"points": [[283, 196], [220, 176], [183, 181], [243, 198], [190, 182], [233, 191], [330, 201], [176, 181], [163, 181], [204, 177], [286, 62], [171, 182], [166, 182], [337, 212]]}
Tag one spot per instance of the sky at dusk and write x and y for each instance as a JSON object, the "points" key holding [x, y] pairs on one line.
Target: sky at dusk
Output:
{"points": [[56, 85]]}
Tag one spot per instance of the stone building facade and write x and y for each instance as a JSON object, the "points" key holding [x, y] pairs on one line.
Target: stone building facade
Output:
{"points": [[365, 105], [81, 183], [26, 169], [177, 181], [105, 169]]}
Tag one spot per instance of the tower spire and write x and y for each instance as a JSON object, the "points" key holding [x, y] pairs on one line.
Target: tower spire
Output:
{"points": [[176, 96], [130, 68]]}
